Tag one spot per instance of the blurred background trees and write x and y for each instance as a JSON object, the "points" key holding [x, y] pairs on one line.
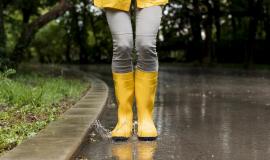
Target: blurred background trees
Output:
{"points": [[217, 31], [205, 32]]}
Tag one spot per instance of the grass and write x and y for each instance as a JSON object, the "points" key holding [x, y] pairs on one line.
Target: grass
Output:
{"points": [[29, 101]]}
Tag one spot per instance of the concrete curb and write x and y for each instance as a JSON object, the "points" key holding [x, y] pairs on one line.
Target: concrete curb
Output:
{"points": [[61, 138]]}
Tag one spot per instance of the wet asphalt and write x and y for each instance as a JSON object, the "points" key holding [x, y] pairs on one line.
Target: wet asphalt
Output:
{"points": [[200, 114]]}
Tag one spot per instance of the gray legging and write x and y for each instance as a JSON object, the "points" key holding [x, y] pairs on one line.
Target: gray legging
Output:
{"points": [[147, 25]]}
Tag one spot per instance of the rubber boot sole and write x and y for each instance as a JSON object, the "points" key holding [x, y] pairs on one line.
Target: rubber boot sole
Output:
{"points": [[147, 138], [119, 139]]}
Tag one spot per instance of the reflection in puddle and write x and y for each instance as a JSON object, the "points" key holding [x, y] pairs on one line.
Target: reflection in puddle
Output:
{"points": [[146, 150], [134, 150], [122, 151]]}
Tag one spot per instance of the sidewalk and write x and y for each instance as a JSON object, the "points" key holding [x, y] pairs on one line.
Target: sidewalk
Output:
{"points": [[60, 139]]}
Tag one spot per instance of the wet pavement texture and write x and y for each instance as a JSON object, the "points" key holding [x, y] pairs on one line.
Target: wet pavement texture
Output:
{"points": [[200, 114]]}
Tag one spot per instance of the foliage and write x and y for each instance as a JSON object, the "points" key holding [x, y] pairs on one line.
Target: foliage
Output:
{"points": [[30, 101], [50, 39], [204, 30]]}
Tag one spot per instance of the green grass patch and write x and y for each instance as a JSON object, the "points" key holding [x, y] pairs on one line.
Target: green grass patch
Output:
{"points": [[29, 101]]}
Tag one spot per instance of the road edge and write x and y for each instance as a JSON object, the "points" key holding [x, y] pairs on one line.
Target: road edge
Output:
{"points": [[61, 138]]}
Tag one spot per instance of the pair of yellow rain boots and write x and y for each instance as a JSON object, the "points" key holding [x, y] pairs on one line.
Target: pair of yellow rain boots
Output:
{"points": [[142, 86]]}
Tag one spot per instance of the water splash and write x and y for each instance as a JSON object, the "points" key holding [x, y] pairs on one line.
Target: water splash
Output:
{"points": [[101, 130], [105, 133]]}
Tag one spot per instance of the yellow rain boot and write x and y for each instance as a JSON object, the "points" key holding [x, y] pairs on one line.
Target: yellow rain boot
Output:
{"points": [[145, 89], [124, 92]]}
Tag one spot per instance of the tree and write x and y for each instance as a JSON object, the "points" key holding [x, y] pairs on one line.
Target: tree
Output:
{"points": [[29, 30], [2, 29], [196, 20], [255, 12]]}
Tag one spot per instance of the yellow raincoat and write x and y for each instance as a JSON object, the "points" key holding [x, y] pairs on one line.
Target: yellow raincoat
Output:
{"points": [[125, 4]]}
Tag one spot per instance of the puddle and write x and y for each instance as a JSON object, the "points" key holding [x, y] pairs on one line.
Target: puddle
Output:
{"points": [[198, 115]]}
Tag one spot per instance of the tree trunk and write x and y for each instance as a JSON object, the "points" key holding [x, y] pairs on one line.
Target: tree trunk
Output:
{"points": [[30, 30], [26, 16], [196, 32], [217, 19], [80, 40], [68, 47], [217, 14], [267, 23], [234, 28], [2, 30], [81, 36], [207, 54], [95, 51], [254, 11]]}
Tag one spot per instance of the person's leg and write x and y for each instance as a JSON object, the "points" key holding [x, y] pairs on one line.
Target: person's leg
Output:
{"points": [[122, 69], [146, 73], [147, 26], [121, 30]]}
